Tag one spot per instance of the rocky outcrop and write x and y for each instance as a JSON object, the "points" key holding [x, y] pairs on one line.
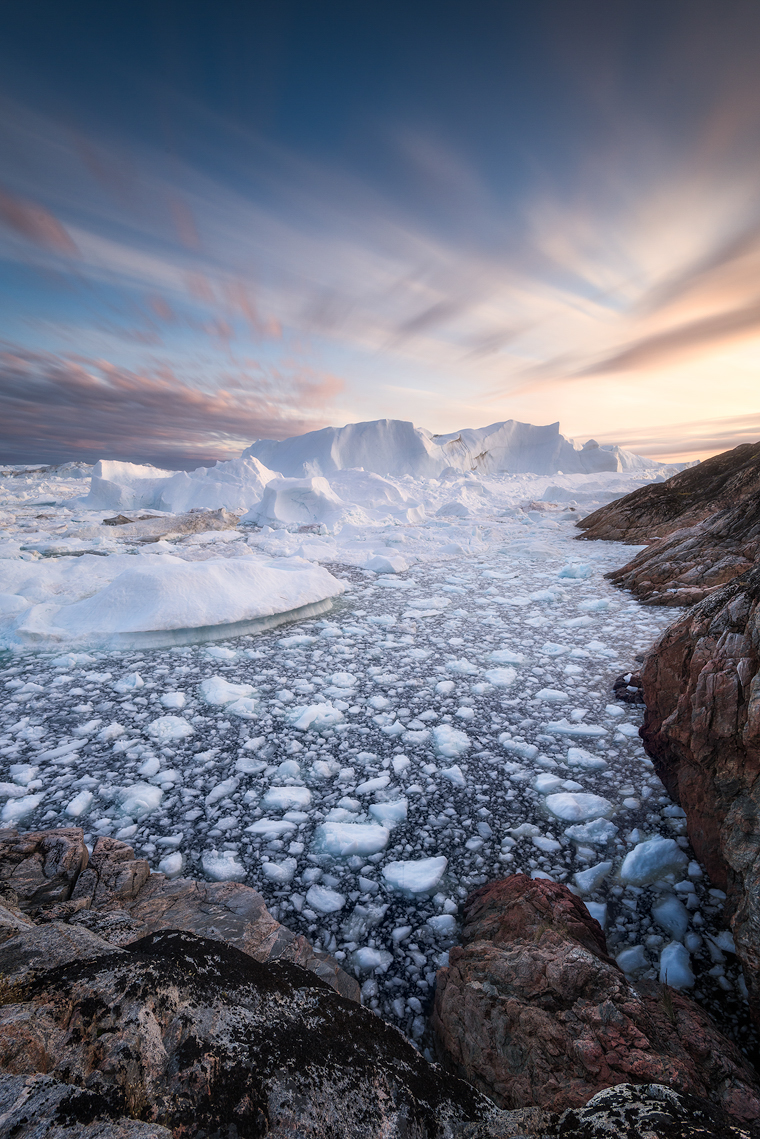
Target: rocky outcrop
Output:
{"points": [[688, 498], [115, 895], [701, 683], [194, 1036], [531, 1009]]}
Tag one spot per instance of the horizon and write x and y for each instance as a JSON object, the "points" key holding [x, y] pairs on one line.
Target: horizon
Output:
{"points": [[222, 224]]}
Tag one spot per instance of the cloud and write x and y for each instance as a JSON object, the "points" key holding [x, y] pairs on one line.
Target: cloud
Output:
{"points": [[59, 408], [690, 438], [36, 224]]}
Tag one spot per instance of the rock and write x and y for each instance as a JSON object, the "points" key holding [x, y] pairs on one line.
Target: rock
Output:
{"points": [[688, 498], [42, 867], [701, 683], [201, 1038], [646, 1111], [532, 1010], [116, 897], [39, 1107], [628, 688], [42, 947]]}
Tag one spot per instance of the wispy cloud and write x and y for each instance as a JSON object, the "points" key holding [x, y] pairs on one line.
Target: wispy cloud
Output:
{"points": [[57, 409]]}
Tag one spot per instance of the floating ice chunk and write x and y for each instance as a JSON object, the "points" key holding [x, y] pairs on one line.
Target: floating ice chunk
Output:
{"points": [[343, 679], [368, 960], [548, 845], [140, 799], [444, 687], [420, 876], [381, 702], [576, 806], [672, 916], [443, 924], [545, 784], [17, 809], [174, 700], [675, 966], [450, 742], [598, 832], [552, 696], [216, 690], [286, 798], [516, 747], [598, 911], [110, 732], [288, 771], [465, 713], [577, 571], [651, 860], [314, 717], [595, 605], [22, 773], [542, 874], [271, 828], [565, 728], [222, 866], [525, 830], [370, 785], [246, 765], [501, 677], [633, 960], [219, 652], [614, 710], [589, 880], [344, 839], [578, 757], [400, 764], [390, 814], [462, 667], [506, 656], [172, 864], [630, 730], [454, 775], [725, 941], [280, 872], [11, 791], [387, 563], [324, 900], [552, 649], [167, 728], [129, 683], [151, 767]]}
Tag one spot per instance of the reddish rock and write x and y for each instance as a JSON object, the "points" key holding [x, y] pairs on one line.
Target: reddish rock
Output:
{"points": [[532, 1010], [41, 867], [701, 684]]}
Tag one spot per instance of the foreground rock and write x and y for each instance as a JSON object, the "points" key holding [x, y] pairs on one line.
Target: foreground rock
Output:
{"points": [[532, 1010], [701, 683], [688, 498], [115, 895], [199, 1038]]}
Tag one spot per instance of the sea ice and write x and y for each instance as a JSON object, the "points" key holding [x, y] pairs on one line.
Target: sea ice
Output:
{"points": [[675, 966], [576, 806], [344, 839], [651, 860], [419, 876]]}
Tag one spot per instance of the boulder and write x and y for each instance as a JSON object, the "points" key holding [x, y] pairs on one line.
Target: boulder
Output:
{"points": [[39, 1107], [701, 683], [197, 1037], [532, 1010], [116, 896]]}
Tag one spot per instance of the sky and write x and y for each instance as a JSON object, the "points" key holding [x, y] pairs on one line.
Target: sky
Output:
{"points": [[231, 220]]}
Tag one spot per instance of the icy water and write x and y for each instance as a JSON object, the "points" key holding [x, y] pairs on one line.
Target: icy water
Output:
{"points": [[438, 729]]}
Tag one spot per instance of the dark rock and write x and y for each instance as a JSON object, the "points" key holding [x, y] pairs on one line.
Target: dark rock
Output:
{"points": [[39, 1107], [702, 729], [118, 898], [691, 496], [532, 1010], [646, 1111], [628, 688], [200, 1038]]}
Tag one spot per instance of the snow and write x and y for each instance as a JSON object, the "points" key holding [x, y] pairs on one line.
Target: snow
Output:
{"points": [[418, 876], [651, 860]]}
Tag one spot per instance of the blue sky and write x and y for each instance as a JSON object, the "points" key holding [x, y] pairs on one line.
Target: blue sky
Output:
{"points": [[222, 221]]}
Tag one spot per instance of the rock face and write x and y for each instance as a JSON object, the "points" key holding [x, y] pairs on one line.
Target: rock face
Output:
{"points": [[115, 895], [531, 1009], [701, 527], [686, 499], [197, 1037], [701, 683]]}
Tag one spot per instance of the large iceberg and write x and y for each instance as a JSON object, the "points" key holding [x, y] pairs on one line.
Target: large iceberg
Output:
{"points": [[236, 485], [396, 447]]}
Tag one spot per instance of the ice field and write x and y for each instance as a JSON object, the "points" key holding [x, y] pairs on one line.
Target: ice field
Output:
{"points": [[446, 718]]}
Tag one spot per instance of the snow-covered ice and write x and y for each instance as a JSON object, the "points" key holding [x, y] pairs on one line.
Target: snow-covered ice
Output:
{"points": [[448, 721]]}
